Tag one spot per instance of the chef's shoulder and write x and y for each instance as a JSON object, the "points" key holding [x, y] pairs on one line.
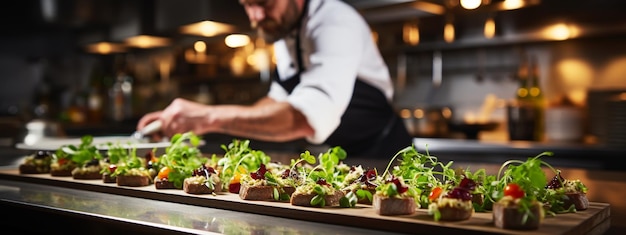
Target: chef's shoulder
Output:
{"points": [[335, 12]]}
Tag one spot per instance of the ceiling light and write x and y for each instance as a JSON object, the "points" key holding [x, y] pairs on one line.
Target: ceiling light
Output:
{"points": [[105, 48], [199, 46], [207, 28], [448, 32], [490, 28], [236, 40], [147, 41], [512, 4], [557, 32], [470, 4], [410, 33]]}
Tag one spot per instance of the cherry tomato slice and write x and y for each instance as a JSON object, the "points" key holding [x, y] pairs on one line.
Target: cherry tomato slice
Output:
{"points": [[513, 190], [164, 173], [434, 194]]}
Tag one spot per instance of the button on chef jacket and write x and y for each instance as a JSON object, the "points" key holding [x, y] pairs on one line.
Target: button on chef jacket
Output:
{"points": [[331, 70]]}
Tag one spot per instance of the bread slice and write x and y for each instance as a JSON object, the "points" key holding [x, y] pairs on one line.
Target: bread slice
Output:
{"points": [[262, 192], [33, 169], [107, 178], [300, 199], [163, 184], [87, 175], [193, 187], [451, 213], [509, 216], [393, 205], [133, 180], [579, 200]]}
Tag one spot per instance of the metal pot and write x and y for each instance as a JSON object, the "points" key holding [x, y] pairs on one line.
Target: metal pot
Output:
{"points": [[428, 121]]}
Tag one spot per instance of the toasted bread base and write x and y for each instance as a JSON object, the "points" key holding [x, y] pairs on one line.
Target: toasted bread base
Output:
{"points": [[107, 178], [509, 217], [579, 200], [262, 193], [193, 188], [33, 169], [305, 199], [163, 184], [87, 175], [454, 213], [132, 180], [393, 206]]}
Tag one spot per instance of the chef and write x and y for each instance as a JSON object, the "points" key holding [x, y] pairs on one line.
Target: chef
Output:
{"points": [[331, 86]]}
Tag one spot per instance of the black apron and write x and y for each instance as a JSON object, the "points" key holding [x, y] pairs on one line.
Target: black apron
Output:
{"points": [[370, 128]]}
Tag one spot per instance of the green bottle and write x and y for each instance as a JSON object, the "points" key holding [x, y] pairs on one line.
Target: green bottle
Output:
{"points": [[536, 96]]}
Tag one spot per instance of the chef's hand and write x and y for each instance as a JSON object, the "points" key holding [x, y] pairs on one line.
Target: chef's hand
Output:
{"points": [[179, 117]]}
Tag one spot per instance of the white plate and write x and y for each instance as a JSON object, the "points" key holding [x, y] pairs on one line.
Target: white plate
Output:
{"points": [[101, 142]]}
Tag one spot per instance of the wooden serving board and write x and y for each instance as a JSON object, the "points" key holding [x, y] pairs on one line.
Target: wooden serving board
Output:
{"points": [[595, 220]]}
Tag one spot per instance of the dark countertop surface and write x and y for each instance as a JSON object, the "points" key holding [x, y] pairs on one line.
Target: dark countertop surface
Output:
{"points": [[579, 155]]}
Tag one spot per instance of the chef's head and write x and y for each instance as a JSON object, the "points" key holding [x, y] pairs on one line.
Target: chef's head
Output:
{"points": [[273, 18]]}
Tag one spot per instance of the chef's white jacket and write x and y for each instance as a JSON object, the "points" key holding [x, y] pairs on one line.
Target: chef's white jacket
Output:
{"points": [[337, 48]]}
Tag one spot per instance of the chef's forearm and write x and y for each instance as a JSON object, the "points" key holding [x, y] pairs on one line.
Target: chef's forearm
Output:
{"points": [[270, 121]]}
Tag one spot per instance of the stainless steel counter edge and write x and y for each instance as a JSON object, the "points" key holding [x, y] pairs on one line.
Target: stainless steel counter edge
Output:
{"points": [[65, 209]]}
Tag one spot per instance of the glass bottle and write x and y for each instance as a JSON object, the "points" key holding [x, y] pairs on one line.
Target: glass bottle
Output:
{"points": [[522, 92], [536, 97], [521, 115]]}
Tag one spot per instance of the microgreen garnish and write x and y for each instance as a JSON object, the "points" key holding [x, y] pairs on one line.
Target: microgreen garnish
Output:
{"points": [[182, 157], [81, 154], [239, 157]]}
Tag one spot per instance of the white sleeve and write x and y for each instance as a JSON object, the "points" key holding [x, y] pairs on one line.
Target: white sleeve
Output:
{"points": [[335, 49]]}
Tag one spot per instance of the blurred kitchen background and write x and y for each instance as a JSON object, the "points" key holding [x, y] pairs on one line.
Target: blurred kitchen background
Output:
{"points": [[74, 67]]}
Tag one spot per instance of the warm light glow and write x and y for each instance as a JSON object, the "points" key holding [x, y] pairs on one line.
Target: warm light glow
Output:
{"points": [[410, 33], [190, 55], [238, 63], [576, 77], [612, 75], [196, 57], [512, 4], [448, 33], [207, 28], [165, 66], [418, 113], [557, 32], [105, 48], [432, 8], [375, 36], [446, 112], [236, 40], [199, 46], [146, 41], [470, 4], [259, 59], [405, 113], [469, 117], [490, 28]]}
